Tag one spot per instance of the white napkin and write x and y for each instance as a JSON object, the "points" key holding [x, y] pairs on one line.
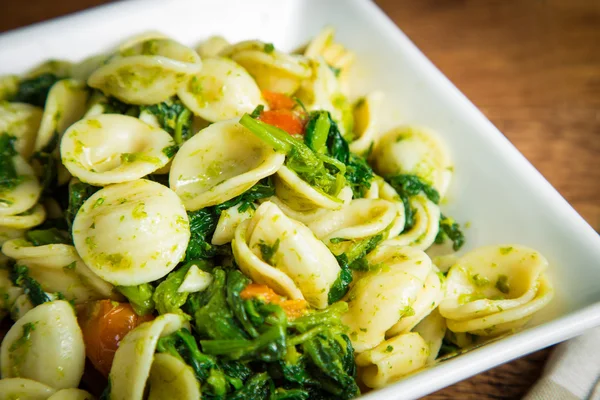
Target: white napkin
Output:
{"points": [[572, 371]]}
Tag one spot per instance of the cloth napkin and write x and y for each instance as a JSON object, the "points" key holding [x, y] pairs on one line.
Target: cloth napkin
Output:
{"points": [[572, 371]]}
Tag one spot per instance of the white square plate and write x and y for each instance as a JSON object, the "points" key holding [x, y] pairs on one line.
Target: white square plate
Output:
{"points": [[495, 189]]}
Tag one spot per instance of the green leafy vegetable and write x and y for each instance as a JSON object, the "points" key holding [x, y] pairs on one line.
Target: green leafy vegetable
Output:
{"points": [[257, 387], [174, 117], [20, 276], [46, 165], [140, 297], [112, 105], [341, 285], [47, 236], [35, 90], [320, 171], [268, 251], [408, 186], [9, 179], [166, 297], [451, 230], [79, 192]]}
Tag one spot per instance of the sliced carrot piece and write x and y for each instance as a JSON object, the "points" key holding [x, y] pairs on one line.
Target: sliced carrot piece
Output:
{"points": [[284, 119], [292, 308], [278, 101]]}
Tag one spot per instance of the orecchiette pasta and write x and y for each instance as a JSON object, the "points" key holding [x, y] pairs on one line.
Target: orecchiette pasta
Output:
{"points": [[382, 297], [219, 163], [299, 195], [221, 91], [45, 345], [71, 394], [60, 269], [26, 389], [65, 105], [300, 267], [212, 46], [492, 286], [367, 123], [113, 148], [24, 195], [21, 121], [135, 357], [392, 359], [152, 232], [432, 329], [415, 151], [148, 72], [9, 85], [171, 377], [271, 69], [425, 227], [25, 220], [229, 220]]}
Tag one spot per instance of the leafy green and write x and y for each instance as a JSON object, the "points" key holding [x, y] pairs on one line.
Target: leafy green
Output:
{"points": [[46, 165], [408, 186], [257, 387], [322, 135], [341, 284], [35, 90], [79, 192], [173, 117], [9, 179], [112, 105], [268, 251], [451, 230], [140, 297], [183, 345], [318, 170], [166, 297], [19, 275], [257, 111], [43, 237], [203, 222]]}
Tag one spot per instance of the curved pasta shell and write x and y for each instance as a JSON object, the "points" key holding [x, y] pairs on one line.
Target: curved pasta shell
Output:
{"points": [[426, 226], [380, 189], [54, 354], [148, 72], [24, 389], [219, 163], [58, 268], [71, 394], [133, 359], [361, 218], [274, 70], [301, 266], [229, 220], [66, 103], [25, 195], [308, 216], [21, 306], [113, 148], [367, 122], [28, 219], [221, 91], [212, 46], [21, 121], [9, 85], [381, 297], [299, 195], [492, 279], [82, 70], [323, 92], [508, 320], [131, 233], [427, 301], [432, 329], [8, 293], [414, 151], [60, 68], [392, 359], [172, 378]]}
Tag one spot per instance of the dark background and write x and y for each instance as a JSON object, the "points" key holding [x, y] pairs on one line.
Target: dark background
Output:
{"points": [[532, 66]]}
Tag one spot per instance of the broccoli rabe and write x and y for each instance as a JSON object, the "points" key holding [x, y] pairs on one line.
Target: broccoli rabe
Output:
{"points": [[79, 192], [46, 165], [41, 237], [19, 275], [140, 297], [35, 90], [173, 117], [9, 179], [451, 230], [166, 296]]}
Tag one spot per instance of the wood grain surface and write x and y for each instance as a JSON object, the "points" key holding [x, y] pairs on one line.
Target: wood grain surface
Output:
{"points": [[532, 66]]}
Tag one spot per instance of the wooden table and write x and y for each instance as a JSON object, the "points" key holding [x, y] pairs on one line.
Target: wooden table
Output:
{"points": [[532, 66]]}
